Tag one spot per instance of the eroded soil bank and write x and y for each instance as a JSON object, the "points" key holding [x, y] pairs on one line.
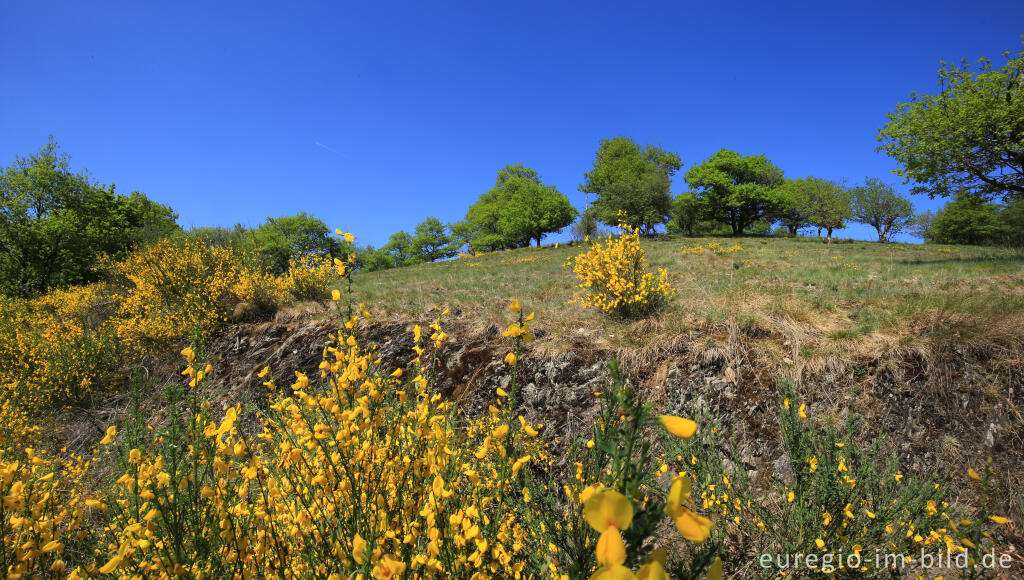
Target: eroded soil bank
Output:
{"points": [[941, 409]]}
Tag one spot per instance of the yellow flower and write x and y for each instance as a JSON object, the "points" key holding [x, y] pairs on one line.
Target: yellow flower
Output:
{"points": [[387, 567], [608, 508], [514, 307], [679, 426], [510, 358], [188, 353], [999, 519], [358, 549], [973, 474], [820, 543], [611, 551], [111, 433], [693, 527], [618, 572], [335, 294], [679, 492], [349, 237], [111, 565], [803, 413], [715, 571]]}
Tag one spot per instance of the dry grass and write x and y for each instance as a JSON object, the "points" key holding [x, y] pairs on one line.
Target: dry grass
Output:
{"points": [[844, 300]]}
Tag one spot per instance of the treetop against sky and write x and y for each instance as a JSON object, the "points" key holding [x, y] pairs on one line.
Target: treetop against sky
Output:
{"points": [[374, 116]]}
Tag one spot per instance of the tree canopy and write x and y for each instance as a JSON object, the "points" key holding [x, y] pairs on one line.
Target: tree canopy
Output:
{"points": [[877, 204], [518, 209], [287, 238], [737, 190], [967, 137], [795, 209], [54, 224], [971, 219], [432, 241], [631, 183], [829, 202]]}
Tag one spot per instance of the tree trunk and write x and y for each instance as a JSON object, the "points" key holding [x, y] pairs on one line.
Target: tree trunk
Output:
{"points": [[792, 231], [881, 235], [829, 239], [538, 240]]}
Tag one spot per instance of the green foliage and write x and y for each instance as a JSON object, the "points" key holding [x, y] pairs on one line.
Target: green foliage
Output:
{"points": [[620, 456], [238, 237], [518, 209], [585, 227], [287, 238], [918, 226], [967, 137], [433, 241], [968, 219], [55, 223], [400, 250], [736, 190], [686, 211], [631, 183], [878, 205], [373, 259], [828, 201], [827, 488], [795, 210]]}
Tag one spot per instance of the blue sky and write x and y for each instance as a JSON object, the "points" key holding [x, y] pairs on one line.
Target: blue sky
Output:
{"points": [[374, 115]]}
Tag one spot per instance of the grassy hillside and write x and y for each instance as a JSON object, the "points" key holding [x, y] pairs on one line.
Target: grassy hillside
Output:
{"points": [[833, 297], [839, 395]]}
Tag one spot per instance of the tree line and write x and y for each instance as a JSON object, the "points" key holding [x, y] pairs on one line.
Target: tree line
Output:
{"points": [[965, 143]]}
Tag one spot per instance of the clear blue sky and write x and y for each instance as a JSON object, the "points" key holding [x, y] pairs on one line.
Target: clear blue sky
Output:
{"points": [[374, 115]]}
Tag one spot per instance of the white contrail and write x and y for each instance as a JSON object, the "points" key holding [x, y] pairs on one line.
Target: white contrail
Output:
{"points": [[336, 152]]}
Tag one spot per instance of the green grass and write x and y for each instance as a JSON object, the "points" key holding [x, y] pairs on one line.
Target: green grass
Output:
{"points": [[832, 297]]}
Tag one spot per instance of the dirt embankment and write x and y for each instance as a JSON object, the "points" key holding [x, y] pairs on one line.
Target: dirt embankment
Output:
{"points": [[942, 409]]}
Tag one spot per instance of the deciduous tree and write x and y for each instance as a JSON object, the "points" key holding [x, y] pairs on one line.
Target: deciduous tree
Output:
{"points": [[518, 209], [736, 190], [631, 183], [287, 238], [55, 223], [877, 204], [969, 136], [433, 241]]}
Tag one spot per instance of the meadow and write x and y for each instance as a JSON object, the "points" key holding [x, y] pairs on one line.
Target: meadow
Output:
{"points": [[778, 396], [838, 297]]}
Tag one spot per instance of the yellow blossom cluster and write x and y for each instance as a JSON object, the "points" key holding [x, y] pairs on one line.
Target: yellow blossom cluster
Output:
{"points": [[614, 277], [177, 288], [310, 278], [714, 247], [373, 476], [53, 349], [42, 511]]}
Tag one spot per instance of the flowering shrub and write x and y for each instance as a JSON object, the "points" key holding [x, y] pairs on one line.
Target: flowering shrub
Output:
{"points": [[310, 278], [615, 278], [51, 353], [606, 523], [180, 288], [41, 511], [841, 503], [371, 475]]}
